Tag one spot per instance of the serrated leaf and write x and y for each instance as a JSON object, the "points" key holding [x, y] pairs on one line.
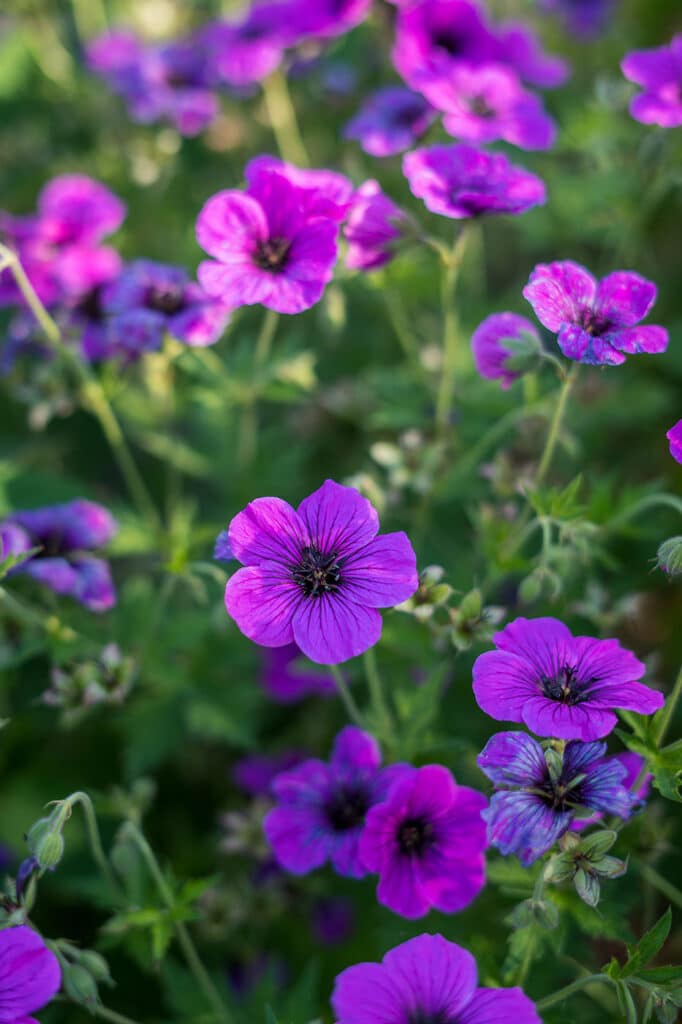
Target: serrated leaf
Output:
{"points": [[648, 946]]}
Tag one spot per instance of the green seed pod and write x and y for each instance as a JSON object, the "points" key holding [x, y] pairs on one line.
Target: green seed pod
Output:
{"points": [[50, 850]]}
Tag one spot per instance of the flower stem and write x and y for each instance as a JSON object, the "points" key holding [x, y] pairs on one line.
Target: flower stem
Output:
{"points": [[452, 264], [569, 990], [283, 121], [376, 691], [555, 425], [669, 710], [247, 445], [116, 1018], [665, 887], [94, 838], [352, 710]]}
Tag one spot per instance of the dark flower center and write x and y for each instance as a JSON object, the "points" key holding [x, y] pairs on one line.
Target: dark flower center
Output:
{"points": [[479, 106], [347, 808], [406, 116], [448, 40], [415, 835], [166, 299], [318, 573], [90, 306], [593, 323], [565, 686], [272, 254]]}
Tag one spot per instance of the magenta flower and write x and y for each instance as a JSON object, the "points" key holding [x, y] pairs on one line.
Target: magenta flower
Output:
{"points": [[659, 72], [539, 802], [426, 980], [557, 684], [328, 193], [520, 48], [271, 245], [426, 842], [488, 345], [674, 436], [390, 121], [322, 807], [248, 50], [29, 975], [483, 103], [326, 18], [461, 181], [288, 677], [596, 322], [65, 535], [433, 36], [372, 228], [316, 576]]}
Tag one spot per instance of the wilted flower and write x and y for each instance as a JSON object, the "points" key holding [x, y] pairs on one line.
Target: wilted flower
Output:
{"points": [[426, 842], [372, 228], [289, 677], [595, 321], [501, 339], [659, 72], [674, 435], [390, 121], [426, 979], [29, 974]]}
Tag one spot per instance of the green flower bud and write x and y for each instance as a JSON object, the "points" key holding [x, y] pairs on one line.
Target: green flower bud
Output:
{"points": [[587, 886], [471, 605], [37, 833], [49, 850], [669, 557], [96, 965], [79, 985]]}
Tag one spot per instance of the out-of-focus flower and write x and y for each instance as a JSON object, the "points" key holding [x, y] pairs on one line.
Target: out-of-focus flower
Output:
{"points": [[390, 121], [248, 50], [633, 764], [332, 920], [256, 772], [328, 193], [582, 17], [596, 322], [29, 974], [669, 556], [659, 72], [520, 48], [674, 436], [372, 228], [325, 18], [499, 340], [106, 680], [288, 677]]}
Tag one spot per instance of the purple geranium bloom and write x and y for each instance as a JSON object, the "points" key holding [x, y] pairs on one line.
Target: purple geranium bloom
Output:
{"points": [[633, 765], [595, 321], [322, 807], [582, 17], [287, 676], [271, 245], [325, 18], [559, 684], [372, 228], [539, 801], [426, 980], [426, 842], [518, 46], [328, 193], [247, 51], [255, 773], [483, 103], [659, 72], [461, 181], [29, 975], [316, 576], [65, 535], [390, 121], [674, 436], [488, 345]]}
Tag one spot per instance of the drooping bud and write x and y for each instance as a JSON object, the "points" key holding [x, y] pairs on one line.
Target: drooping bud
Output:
{"points": [[79, 985], [669, 557]]}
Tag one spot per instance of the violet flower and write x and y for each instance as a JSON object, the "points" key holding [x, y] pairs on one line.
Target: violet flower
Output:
{"points": [[372, 228], [246, 51], [557, 684], [322, 807], [426, 980], [328, 193], [390, 121], [433, 36], [316, 576], [659, 72], [29, 975], [287, 677], [255, 773], [541, 793], [582, 17], [520, 48], [674, 436], [326, 18], [490, 353], [596, 322], [633, 764]]}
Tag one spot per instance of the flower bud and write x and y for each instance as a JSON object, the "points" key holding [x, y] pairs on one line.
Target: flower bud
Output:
{"points": [[669, 557], [79, 985], [96, 965], [50, 850]]}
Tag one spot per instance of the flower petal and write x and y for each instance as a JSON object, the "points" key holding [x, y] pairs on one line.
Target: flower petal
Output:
{"points": [[634, 340], [503, 683], [624, 298], [434, 974], [382, 574], [583, 347], [331, 629], [268, 529], [523, 824], [339, 519], [29, 973], [513, 759], [355, 750], [229, 226], [583, 721], [559, 291], [295, 837], [262, 602], [499, 1006]]}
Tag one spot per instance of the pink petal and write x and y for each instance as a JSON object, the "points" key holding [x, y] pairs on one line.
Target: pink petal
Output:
{"points": [[268, 529], [382, 574], [559, 291], [262, 602]]}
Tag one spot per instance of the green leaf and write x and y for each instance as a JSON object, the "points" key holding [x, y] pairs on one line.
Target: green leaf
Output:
{"points": [[648, 946]]}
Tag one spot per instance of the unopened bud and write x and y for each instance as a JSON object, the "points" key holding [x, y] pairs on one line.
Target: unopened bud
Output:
{"points": [[669, 556], [50, 850], [96, 965], [79, 985]]}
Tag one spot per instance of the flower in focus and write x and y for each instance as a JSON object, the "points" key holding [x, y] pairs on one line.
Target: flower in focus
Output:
{"points": [[426, 842], [461, 181], [542, 791], [328, 193], [487, 102], [29, 975], [557, 684], [390, 121], [659, 72], [497, 340], [271, 244], [426, 979], [288, 677], [322, 807], [316, 576], [247, 51], [65, 535], [674, 436], [596, 322], [371, 228]]}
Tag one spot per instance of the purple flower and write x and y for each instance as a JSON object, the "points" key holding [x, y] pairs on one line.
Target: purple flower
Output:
{"points": [[317, 576], [65, 535], [247, 51], [326, 18], [288, 678], [29, 975], [674, 435], [322, 807], [519, 47], [540, 798], [462, 181], [582, 17], [390, 121], [557, 684], [426, 842], [328, 193], [595, 321], [332, 921], [372, 228], [487, 102], [659, 72], [271, 244], [426, 980], [255, 773], [488, 345], [633, 764]]}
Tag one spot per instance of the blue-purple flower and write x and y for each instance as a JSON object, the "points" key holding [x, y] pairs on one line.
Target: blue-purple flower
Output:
{"points": [[492, 345], [390, 121], [659, 73], [372, 229], [29, 975], [250, 48]]}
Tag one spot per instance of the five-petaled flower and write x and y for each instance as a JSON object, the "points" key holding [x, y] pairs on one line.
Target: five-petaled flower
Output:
{"points": [[29, 975], [373, 228], [390, 121]]}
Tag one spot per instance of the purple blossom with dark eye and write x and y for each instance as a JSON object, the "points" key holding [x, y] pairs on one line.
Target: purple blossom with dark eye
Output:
{"points": [[426, 980], [29, 975], [542, 794], [483, 103], [326, 18], [288, 677], [426, 841], [596, 322], [390, 121], [659, 72], [488, 345], [461, 181], [328, 193], [674, 436], [316, 576], [322, 807], [248, 50], [255, 773], [558, 684], [65, 535], [271, 245], [582, 17], [372, 229]]}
